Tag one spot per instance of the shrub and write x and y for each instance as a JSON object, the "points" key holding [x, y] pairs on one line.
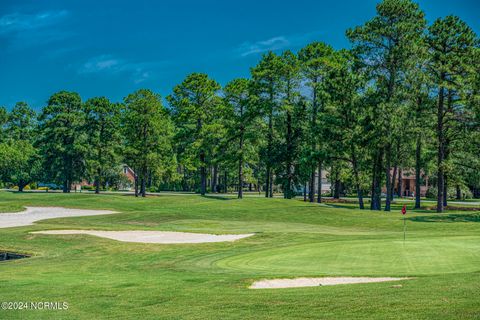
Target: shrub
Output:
{"points": [[451, 192]]}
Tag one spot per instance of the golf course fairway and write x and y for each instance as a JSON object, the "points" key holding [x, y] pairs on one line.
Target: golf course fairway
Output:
{"points": [[100, 277]]}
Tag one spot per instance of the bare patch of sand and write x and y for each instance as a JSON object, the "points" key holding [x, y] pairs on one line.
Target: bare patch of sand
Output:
{"points": [[32, 214], [314, 282], [165, 237]]}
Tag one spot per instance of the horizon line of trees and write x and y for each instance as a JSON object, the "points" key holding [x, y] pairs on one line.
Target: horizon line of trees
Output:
{"points": [[406, 95]]}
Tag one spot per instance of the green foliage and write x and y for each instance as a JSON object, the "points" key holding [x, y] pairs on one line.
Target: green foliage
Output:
{"points": [[19, 163], [3, 122], [243, 129], [148, 131], [451, 47], [62, 140], [102, 122], [362, 115], [465, 193], [21, 122], [197, 111]]}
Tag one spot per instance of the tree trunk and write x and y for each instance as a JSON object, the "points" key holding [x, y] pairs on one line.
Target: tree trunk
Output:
{"points": [[225, 178], [459, 192], [319, 195], [97, 182], [440, 143], [149, 179], [267, 181], [336, 194], [215, 178], [136, 183], [21, 185], [392, 184], [203, 174], [445, 191], [271, 185], [143, 182], [418, 165], [288, 192], [240, 171], [65, 185], [305, 191], [388, 155], [400, 183], [313, 146], [357, 178], [376, 201], [311, 189], [142, 187]]}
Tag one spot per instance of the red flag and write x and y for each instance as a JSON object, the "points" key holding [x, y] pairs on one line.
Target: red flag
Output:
{"points": [[404, 209]]}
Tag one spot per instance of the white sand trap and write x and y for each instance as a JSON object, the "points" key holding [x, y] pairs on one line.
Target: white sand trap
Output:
{"points": [[32, 214], [165, 237], [314, 282]]}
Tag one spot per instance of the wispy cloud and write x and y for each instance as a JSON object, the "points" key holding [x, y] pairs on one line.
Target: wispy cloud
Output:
{"points": [[275, 43], [26, 30], [108, 64], [100, 64], [19, 22]]}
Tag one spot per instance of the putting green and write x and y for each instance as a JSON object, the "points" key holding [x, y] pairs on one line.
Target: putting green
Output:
{"points": [[365, 257]]}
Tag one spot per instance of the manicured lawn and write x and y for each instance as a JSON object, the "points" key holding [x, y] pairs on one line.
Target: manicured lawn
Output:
{"points": [[101, 278]]}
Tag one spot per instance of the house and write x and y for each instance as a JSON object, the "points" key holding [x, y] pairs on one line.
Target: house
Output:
{"points": [[129, 173], [126, 172], [405, 183], [325, 182]]}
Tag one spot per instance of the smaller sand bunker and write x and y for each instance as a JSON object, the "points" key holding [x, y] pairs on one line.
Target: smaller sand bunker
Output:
{"points": [[165, 237], [314, 282], [32, 214]]}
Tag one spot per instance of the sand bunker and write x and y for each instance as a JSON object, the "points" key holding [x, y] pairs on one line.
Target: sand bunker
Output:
{"points": [[165, 237], [32, 214], [313, 282]]}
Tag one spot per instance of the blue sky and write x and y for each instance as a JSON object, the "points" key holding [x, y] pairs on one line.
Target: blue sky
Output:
{"points": [[111, 48]]}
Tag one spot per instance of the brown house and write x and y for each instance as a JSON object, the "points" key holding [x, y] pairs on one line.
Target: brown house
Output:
{"points": [[129, 173], [405, 183], [126, 171]]}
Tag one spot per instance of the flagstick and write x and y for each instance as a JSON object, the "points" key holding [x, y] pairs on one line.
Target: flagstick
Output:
{"points": [[404, 228]]}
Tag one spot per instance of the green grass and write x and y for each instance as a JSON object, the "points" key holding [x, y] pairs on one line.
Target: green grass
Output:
{"points": [[101, 278]]}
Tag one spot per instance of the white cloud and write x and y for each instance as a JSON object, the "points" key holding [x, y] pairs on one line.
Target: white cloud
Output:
{"points": [[108, 64], [276, 43], [102, 63], [37, 29], [18, 22], [271, 44]]}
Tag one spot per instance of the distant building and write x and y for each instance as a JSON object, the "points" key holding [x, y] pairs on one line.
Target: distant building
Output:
{"points": [[129, 173], [406, 184], [325, 182], [126, 171]]}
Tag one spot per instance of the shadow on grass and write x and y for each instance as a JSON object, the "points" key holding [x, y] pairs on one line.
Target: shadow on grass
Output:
{"points": [[447, 218], [218, 197]]}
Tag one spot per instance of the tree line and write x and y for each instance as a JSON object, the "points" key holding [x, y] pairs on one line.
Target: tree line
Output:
{"points": [[405, 95]]}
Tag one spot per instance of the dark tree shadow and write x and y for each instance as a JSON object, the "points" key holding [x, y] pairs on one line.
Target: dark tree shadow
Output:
{"points": [[447, 218], [209, 196]]}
